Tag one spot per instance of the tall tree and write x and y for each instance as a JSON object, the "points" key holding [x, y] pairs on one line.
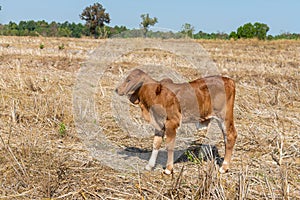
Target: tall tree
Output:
{"points": [[95, 17], [146, 22]]}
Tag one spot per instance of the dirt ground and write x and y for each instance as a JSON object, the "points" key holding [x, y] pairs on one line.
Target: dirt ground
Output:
{"points": [[43, 157]]}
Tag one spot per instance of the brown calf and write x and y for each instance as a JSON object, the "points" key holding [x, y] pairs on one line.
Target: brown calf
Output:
{"points": [[166, 105]]}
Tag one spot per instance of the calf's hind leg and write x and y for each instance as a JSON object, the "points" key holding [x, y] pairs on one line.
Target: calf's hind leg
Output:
{"points": [[230, 136], [170, 145]]}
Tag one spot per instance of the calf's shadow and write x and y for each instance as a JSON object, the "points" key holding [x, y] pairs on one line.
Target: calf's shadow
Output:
{"points": [[202, 152]]}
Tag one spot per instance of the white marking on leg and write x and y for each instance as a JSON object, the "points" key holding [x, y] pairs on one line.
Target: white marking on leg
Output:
{"points": [[222, 170], [152, 159], [167, 172]]}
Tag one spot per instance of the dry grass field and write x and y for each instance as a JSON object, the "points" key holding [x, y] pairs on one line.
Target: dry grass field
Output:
{"points": [[42, 156]]}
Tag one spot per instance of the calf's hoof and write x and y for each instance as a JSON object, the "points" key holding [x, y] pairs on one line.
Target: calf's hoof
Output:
{"points": [[168, 172], [224, 168], [148, 168]]}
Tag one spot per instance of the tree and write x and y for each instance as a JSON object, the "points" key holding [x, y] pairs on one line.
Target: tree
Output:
{"points": [[95, 17], [146, 22], [118, 29], [76, 29], [233, 35], [31, 25], [53, 29], [261, 30], [22, 25], [188, 30], [246, 31], [64, 32], [258, 30], [42, 27]]}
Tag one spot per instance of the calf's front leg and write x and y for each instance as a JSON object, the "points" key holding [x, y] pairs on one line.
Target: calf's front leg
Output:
{"points": [[156, 146]]}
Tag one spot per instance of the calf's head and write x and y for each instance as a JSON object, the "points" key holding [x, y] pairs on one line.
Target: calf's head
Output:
{"points": [[132, 84]]}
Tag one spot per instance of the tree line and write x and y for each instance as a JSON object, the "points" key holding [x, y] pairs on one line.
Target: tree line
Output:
{"points": [[97, 20], [55, 29]]}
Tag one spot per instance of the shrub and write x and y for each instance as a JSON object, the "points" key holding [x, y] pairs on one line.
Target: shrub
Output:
{"points": [[42, 46]]}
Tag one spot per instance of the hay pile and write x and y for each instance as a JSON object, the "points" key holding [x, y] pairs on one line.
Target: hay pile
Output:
{"points": [[43, 156]]}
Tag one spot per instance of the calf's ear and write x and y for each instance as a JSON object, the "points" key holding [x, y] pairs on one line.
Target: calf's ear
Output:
{"points": [[134, 98], [158, 89]]}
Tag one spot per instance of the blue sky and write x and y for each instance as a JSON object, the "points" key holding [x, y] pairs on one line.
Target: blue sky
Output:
{"points": [[208, 16]]}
